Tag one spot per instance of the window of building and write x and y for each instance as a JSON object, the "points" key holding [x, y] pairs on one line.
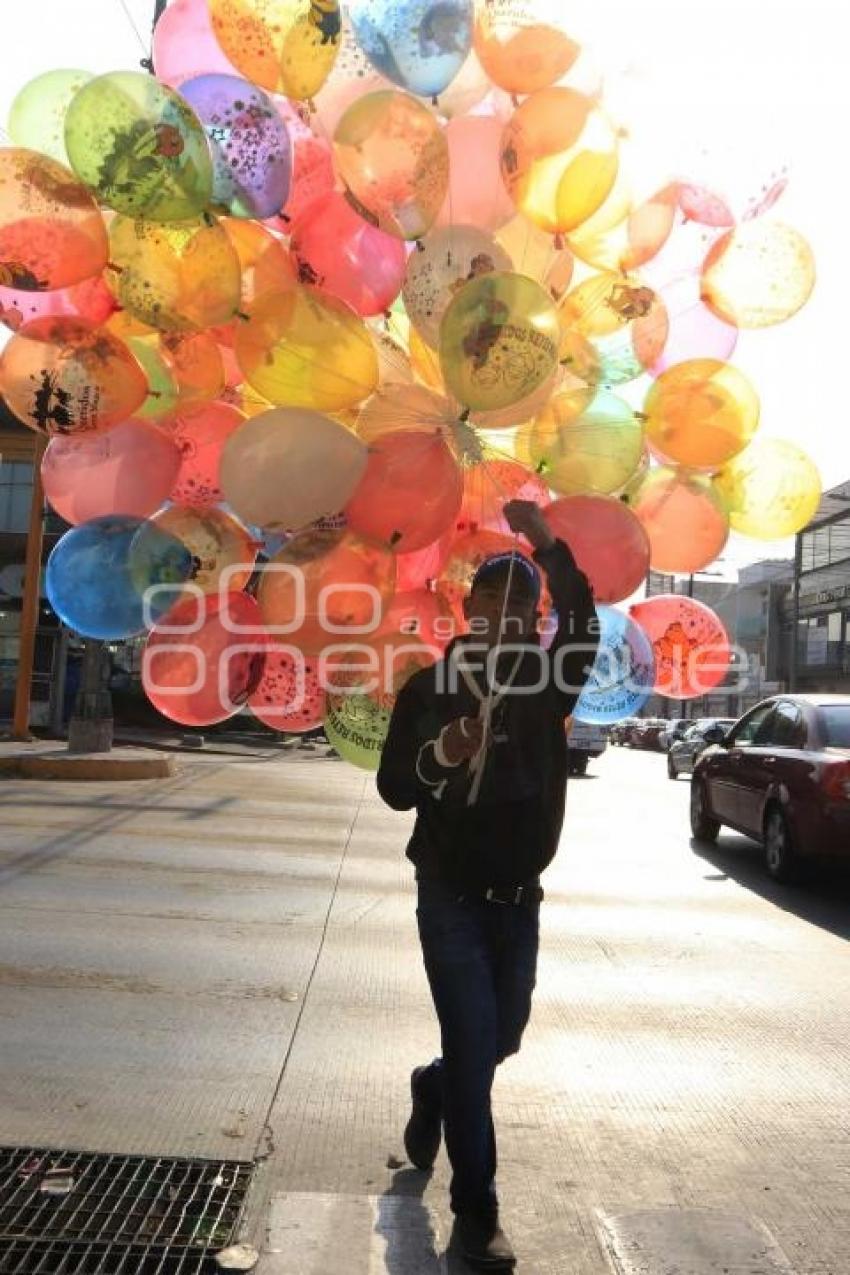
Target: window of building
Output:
{"points": [[15, 495], [825, 546]]}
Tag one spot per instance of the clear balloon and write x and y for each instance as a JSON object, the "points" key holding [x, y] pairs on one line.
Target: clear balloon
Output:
{"points": [[623, 673], [684, 518], [113, 577], [178, 278], [393, 158], [206, 660], [499, 341], [65, 376], [627, 231], [420, 45], [252, 155], [608, 541], [771, 490], [449, 258], [200, 435], [185, 46], [410, 491], [337, 251], [288, 46], [694, 331], [140, 147], [536, 254], [559, 159], [37, 115], [129, 470], [759, 274], [301, 348], [701, 413], [522, 44], [288, 467], [52, 234], [585, 441], [690, 644], [623, 319], [476, 194], [326, 587], [223, 551], [289, 697]]}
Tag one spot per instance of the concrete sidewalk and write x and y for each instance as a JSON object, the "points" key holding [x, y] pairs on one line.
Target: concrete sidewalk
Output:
{"points": [[224, 963]]}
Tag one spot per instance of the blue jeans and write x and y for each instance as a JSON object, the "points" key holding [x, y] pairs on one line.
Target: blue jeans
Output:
{"points": [[481, 962]]}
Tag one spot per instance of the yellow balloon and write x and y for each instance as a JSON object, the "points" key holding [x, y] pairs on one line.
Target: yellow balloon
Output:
{"points": [[288, 46], [499, 341], [559, 159], [179, 277], [759, 274], [300, 348], [585, 442], [771, 490], [701, 413]]}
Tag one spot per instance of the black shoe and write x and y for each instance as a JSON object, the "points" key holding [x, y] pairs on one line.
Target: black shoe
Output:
{"points": [[482, 1243], [424, 1128]]}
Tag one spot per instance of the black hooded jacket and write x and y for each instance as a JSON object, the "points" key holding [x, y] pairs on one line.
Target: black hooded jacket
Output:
{"points": [[509, 833]]}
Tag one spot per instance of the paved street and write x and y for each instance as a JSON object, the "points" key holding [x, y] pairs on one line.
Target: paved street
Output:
{"points": [[224, 963]]}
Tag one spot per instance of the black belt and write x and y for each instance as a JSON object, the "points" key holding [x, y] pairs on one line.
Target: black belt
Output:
{"points": [[513, 895]]}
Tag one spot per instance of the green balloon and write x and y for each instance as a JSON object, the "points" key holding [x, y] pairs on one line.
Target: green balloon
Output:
{"points": [[37, 115], [139, 147], [356, 726]]}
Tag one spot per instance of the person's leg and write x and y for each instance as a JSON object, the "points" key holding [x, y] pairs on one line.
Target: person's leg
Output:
{"points": [[516, 975], [459, 962]]}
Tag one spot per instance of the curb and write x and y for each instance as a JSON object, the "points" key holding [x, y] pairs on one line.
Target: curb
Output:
{"points": [[86, 766]]}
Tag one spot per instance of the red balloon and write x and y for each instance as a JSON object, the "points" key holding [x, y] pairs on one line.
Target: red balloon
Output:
{"points": [[421, 568], [339, 252], [203, 662], [200, 436], [691, 645], [410, 493], [312, 170], [129, 470], [609, 544], [289, 697]]}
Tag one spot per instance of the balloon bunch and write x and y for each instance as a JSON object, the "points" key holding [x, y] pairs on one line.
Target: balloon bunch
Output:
{"points": [[302, 310]]}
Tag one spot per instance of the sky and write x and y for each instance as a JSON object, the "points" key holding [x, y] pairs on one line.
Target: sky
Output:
{"points": [[742, 86]]}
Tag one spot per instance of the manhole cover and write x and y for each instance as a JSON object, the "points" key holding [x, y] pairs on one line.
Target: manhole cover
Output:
{"points": [[75, 1213]]}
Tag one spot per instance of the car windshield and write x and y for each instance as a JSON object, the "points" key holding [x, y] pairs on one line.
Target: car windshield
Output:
{"points": [[837, 721]]}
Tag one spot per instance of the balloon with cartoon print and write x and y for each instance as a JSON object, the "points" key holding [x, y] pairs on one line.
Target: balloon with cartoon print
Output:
{"points": [[623, 673], [420, 45]]}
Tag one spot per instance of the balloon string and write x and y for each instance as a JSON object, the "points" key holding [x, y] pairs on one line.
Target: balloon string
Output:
{"points": [[129, 17]]}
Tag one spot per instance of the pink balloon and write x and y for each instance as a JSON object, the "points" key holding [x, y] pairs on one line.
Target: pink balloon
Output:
{"points": [[289, 697], [422, 567], [205, 659], [337, 251], [184, 44], [608, 542], [90, 300], [127, 470], [410, 493], [200, 436], [690, 643], [477, 195]]}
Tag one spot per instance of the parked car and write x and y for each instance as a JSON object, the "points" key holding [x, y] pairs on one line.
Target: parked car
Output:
{"points": [[781, 776], [585, 741], [674, 731], [708, 730], [647, 732], [620, 730]]}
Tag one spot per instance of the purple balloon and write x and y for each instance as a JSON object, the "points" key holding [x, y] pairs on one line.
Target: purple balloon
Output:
{"points": [[252, 153], [695, 331]]}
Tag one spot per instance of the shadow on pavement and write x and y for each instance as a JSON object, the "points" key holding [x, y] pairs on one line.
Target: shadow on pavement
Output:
{"points": [[822, 898]]}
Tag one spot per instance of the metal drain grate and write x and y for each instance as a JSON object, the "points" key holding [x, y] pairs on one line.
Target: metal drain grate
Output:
{"points": [[77, 1213]]}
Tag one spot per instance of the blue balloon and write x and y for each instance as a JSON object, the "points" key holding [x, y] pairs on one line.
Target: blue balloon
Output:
{"points": [[99, 572], [623, 673], [251, 150], [418, 44]]}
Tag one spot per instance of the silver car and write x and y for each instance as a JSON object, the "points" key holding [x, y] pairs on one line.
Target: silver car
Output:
{"points": [[684, 752]]}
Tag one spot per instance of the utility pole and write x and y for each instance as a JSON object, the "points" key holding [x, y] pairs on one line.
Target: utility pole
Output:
{"points": [[795, 616]]}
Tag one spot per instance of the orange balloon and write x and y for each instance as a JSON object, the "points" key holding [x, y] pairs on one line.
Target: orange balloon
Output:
{"points": [[393, 157], [701, 413], [265, 264], [610, 544], [325, 588], [488, 486], [410, 493], [288, 46], [684, 519], [52, 234], [66, 376], [467, 551], [559, 158], [521, 44], [196, 365], [222, 550]]}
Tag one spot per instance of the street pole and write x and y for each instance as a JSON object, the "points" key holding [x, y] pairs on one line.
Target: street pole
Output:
{"points": [[30, 599], [795, 618]]}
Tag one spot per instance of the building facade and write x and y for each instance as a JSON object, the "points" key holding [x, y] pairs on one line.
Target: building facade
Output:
{"points": [[816, 606]]}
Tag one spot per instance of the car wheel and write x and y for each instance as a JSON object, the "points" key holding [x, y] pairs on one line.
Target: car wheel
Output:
{"points": [[703, 826], [780, 855], [672, 772]]}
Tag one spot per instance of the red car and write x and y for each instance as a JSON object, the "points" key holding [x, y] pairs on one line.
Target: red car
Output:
{"points": [[782, 776]]}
